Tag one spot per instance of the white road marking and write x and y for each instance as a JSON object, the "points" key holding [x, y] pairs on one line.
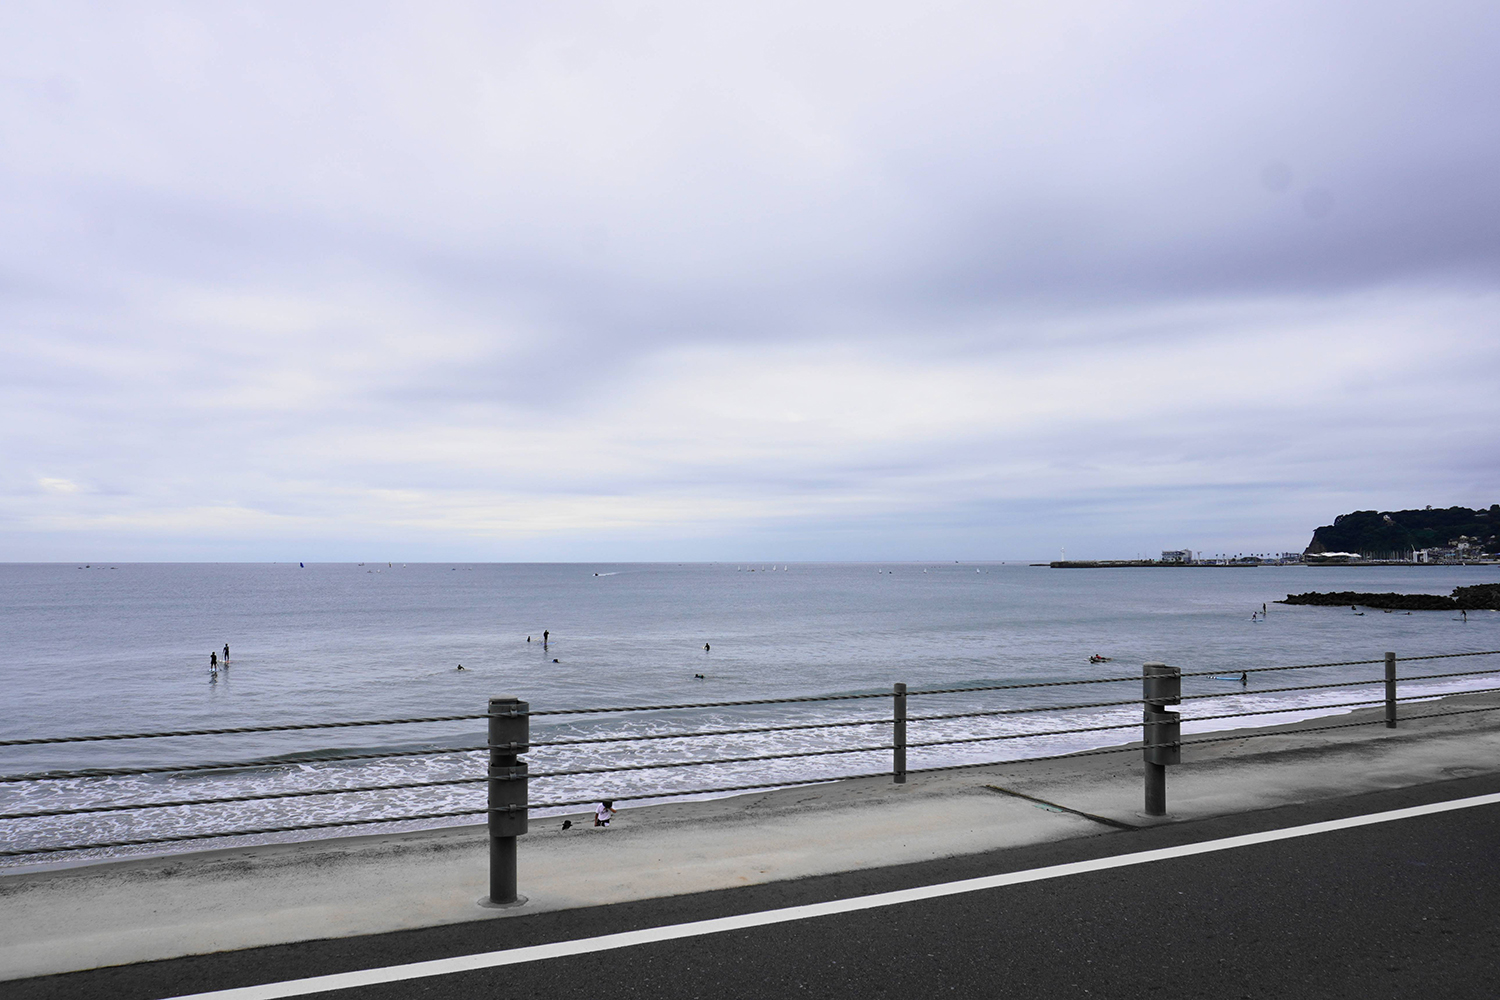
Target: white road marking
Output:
{"points": [[650, 935]]}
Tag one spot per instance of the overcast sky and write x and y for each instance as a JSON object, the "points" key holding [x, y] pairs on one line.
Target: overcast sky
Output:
{"points": [[776, 281]]}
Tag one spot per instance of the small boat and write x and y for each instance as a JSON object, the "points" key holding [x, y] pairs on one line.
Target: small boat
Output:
{"points": [[1096, 658]]}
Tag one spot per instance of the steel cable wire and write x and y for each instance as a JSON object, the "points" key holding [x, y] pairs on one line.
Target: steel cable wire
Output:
{"points": [[608, 770], [258, 831], [1456, 673], [237, 730], [293, 727], [709, 791], [1451, 656], [716, 789], [257, 765], [258, 797], [709, 704], [1340, 663]]}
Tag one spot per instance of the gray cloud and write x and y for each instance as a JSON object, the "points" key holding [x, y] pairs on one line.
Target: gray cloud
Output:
{"points": [[637, 280]]}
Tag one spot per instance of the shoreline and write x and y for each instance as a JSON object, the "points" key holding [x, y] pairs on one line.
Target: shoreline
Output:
{"points": [[124, 911], [668, 805]]}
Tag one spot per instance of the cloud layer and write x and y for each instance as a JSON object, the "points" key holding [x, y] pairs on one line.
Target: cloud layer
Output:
{"points": [[667, 281]]}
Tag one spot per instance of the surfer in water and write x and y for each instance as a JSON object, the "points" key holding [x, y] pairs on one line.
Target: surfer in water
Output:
{"points": [[705, 647], [545, 634], [213, 663], [1244, 679], [226, 656]]}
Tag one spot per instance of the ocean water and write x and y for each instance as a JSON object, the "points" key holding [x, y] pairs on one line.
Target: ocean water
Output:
{"points": [[120, 648]]}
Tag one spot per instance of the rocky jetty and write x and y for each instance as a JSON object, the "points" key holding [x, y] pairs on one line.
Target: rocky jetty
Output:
{"points": [[1481, 597]]}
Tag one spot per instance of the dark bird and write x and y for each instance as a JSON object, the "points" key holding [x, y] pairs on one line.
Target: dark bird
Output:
{"points": [[567, 824]]}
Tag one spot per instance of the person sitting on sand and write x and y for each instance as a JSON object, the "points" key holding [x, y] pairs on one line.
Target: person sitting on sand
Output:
{"points": [[604, 813]]}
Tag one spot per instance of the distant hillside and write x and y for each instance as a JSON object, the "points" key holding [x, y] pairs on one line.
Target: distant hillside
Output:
{"points": [[1395, 532]]}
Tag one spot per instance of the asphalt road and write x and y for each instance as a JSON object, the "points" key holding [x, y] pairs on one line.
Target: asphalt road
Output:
{"points": [[1400, 909]]}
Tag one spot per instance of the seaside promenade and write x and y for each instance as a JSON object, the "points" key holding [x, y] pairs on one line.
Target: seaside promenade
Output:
{"points": [[63, 920]]}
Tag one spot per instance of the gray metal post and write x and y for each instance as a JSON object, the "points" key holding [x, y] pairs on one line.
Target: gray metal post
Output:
{"points": [[1161, 685], [509, 736], [898, 741], [1390, 690], [1156, 789]]}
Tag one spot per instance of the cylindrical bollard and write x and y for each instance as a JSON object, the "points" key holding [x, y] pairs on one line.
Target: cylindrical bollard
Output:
{"points": [[1390, 690], [898, 738], [1156, 789], [509, 736], [1161, 685]]}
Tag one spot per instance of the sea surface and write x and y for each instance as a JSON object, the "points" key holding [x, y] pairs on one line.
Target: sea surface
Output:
{"points": [[124, 648]]}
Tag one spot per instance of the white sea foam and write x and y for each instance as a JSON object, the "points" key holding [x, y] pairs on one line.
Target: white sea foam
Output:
{"points": [[332, 645]]}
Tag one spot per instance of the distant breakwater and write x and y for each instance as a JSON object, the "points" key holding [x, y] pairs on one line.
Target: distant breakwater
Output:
{"points": [[1126, 563], [1480, 597]]}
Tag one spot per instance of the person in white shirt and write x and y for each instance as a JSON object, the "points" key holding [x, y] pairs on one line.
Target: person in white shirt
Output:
{"points": [[604, 813]]}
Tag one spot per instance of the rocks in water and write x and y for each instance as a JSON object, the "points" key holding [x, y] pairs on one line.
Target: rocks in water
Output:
{"points": [[1480, 597]]}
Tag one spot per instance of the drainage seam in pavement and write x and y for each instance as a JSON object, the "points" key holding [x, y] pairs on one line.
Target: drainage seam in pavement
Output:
{"points": [[1053, 805]]}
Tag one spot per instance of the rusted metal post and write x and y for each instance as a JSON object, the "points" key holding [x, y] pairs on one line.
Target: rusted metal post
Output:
{"points": [[509, 736], [898, 740]]}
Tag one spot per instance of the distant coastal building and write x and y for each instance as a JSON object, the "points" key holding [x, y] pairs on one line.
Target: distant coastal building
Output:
{"points": [[1177, 555]]}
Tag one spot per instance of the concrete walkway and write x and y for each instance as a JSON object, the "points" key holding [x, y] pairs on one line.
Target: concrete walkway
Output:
{"points": [[117, 913]]}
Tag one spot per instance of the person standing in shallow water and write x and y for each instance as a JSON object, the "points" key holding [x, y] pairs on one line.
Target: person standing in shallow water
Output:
{"points": [[545, 634], [226, 656], [213, 663]]}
